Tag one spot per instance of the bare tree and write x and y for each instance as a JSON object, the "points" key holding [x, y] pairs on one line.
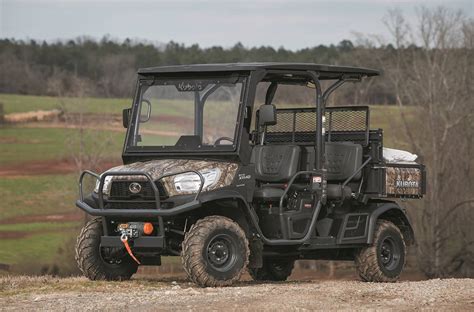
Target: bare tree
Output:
{"points": [[87, 146], [432, 70], [117, 75]]}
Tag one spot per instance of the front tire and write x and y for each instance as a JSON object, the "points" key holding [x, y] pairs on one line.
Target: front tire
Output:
{"points": [[97, 263], [273, 270], [383, 261], [215, 252]]}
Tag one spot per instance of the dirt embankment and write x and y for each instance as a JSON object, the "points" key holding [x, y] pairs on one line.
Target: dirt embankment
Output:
{"points": [[43, 293], [40, 115]]}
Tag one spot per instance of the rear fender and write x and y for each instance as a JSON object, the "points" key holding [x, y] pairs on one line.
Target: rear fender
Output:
{"points": [[392, 212]]}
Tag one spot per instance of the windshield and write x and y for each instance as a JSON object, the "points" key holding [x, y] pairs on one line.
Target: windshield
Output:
{"points": [[188, 114]]}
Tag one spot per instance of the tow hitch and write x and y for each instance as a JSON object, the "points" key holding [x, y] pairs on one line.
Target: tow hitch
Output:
{"points": [[124, 239]]}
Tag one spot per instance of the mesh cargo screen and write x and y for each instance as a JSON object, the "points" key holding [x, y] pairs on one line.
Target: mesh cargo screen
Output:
{"points": [[299, 125]]}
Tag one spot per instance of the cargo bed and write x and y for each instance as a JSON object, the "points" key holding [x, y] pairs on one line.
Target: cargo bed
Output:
{"points": [[398, 180]]}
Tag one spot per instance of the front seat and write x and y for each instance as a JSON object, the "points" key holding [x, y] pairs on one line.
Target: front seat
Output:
{"points": [[275, 165]]}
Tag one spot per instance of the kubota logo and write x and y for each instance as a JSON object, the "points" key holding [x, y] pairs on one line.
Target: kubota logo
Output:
{"points": [[406, 184], [135, 187]]}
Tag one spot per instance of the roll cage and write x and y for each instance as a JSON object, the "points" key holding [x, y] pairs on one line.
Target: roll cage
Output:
{"points": [[252, 73]]}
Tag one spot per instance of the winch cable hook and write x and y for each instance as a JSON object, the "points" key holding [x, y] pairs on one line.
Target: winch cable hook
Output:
{"points": [[124, 239]]}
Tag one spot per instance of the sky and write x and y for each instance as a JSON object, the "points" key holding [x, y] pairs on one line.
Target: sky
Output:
{"points": [[293, 24]]}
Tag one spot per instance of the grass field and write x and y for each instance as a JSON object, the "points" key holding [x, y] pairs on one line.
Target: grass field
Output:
{"points": [[14, 103], [41, 241], [42, 245], [37, 195], [33, 240], [18, 145], [36, 245], [385, 117]]}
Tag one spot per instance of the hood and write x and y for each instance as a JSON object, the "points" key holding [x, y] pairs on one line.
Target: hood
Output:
{"points": [[157, 168]]}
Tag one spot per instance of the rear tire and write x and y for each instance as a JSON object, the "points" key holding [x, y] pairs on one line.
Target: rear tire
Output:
{"points": [[215, 252], [273, 270], [383, 261], [98, 263]]}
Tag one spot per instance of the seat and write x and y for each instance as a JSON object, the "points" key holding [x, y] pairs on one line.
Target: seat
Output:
{"points": [[342, 160], [274, 164]]}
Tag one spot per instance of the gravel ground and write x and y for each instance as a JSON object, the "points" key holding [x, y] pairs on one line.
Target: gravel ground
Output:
{"points": [[47, 293]]}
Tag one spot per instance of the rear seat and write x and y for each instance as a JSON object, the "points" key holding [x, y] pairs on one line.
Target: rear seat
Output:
{"points": [[275, 165], [343, 158]]}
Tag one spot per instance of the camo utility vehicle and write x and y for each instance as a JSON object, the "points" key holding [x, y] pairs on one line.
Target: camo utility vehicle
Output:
{"points": [[218, 171]]}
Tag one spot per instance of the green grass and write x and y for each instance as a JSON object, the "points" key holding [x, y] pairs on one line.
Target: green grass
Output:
{"points": [[41, 241], [37, 226], [38, 248], [14, 103], [37, 195], [19, 145], [39, 245], [385, 117]]}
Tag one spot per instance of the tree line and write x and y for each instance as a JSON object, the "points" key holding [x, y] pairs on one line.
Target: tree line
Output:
{"points": [[108, 66]]}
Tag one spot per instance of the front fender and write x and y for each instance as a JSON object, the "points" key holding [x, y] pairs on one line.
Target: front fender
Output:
{"points": [[207, 199]]}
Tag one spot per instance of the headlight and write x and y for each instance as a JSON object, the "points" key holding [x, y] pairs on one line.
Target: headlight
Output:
{"points": [[105, 188], [190, 182]]}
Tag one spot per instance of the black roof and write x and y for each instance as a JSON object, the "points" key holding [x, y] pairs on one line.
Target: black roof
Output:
{"points": [[325, 71]]}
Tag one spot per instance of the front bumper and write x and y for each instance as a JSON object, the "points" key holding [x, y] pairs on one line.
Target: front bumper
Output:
{"points": [[142, 213]]}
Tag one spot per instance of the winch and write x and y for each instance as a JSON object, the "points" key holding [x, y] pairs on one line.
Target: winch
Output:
{"points": [[135, 229], [132, 230]]}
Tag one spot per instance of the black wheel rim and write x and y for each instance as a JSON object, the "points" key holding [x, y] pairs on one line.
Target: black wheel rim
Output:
{"points": [[112, 256], [221, 252], [279, 266], [389, 253]]}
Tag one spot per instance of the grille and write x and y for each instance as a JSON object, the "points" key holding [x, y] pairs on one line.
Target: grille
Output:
{"points": [[131, 205], [120, 189]]}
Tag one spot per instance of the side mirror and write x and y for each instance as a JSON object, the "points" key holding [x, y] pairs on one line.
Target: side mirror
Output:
{"points": [[267, 115], [126, 113]]}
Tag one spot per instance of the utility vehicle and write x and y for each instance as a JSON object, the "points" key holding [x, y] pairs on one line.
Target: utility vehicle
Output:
{"points": [[218, 171]]}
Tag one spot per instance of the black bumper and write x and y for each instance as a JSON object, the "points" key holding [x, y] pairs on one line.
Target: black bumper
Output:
{"points": [[142, 213]]}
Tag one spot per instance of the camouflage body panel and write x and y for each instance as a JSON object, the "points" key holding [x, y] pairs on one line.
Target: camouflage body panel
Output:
{"points": [[403, 181], [158, 168]]}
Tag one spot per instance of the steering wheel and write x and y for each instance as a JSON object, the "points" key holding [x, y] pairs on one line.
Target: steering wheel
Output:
{"points": [[218, 141]]}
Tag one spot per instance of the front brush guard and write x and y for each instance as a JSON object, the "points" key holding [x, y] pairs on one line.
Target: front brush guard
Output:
{"points": [[145, 213]]}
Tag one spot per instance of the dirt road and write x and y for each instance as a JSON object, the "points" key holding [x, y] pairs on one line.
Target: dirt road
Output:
{"points": [[46, 293]]}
